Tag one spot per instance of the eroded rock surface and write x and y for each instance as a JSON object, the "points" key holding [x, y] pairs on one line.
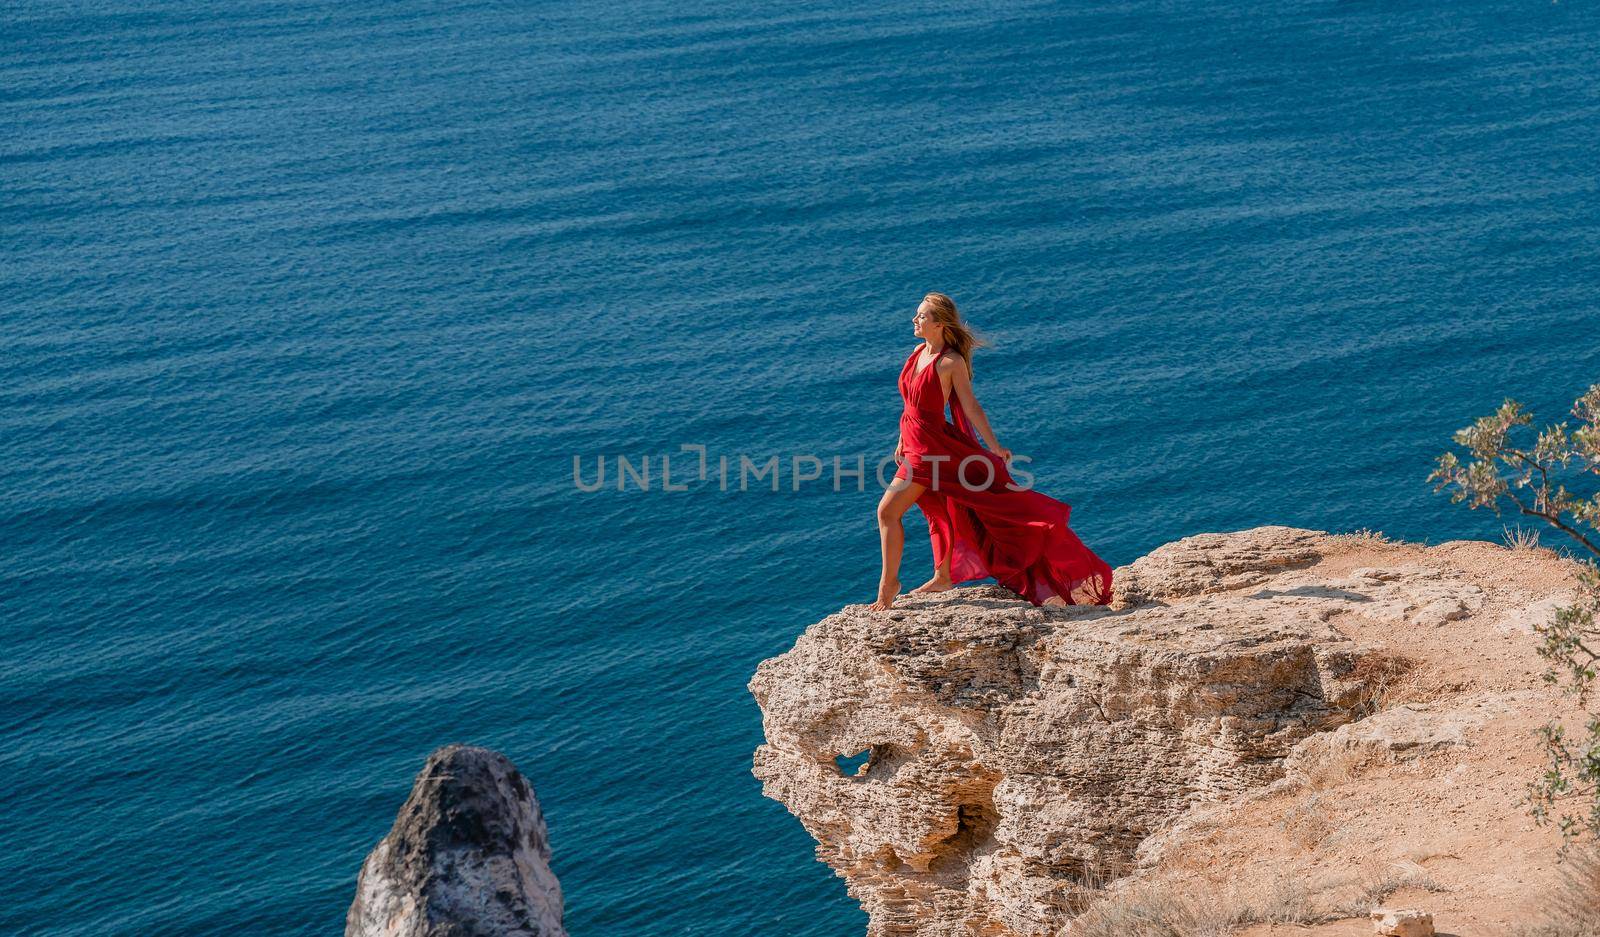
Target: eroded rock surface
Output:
{"points": [[468, 856], [1016, 757]]}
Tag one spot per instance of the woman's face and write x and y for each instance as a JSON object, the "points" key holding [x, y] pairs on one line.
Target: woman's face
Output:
{"points": [[922, 324]]}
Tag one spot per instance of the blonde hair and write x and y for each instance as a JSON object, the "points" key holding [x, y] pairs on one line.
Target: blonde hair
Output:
{"points": [[960, 338]]}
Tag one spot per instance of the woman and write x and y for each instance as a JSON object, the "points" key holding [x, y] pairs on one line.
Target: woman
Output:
{"points": [[980, 522]]}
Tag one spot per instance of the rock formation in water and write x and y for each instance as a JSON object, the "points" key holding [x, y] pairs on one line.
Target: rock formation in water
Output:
{"points": [[973, 765], [467, 857]]}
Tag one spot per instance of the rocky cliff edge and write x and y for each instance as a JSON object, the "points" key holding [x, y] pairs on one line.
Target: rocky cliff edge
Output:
{"points": [[1330, 720]]}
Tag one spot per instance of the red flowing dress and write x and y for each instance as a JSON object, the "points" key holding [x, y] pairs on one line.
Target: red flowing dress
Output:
{"points": [[977, 515]]}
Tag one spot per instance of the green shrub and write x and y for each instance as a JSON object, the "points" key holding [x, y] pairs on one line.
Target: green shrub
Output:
{"points": [[1501, 470]]}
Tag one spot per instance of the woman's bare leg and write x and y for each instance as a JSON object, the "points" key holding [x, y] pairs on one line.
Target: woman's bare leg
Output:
{"points": [[940, 581], [892, 536]]}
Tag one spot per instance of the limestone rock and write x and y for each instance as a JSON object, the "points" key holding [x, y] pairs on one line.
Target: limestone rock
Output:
{"points": [[1407, 731], [1405, 594], [1524, 618], [1402, 923], [467, 856], [1017, 756], [1213, 563]]}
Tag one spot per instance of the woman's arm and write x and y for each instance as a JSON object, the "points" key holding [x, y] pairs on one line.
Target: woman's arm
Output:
{"points": [[961, 386]]}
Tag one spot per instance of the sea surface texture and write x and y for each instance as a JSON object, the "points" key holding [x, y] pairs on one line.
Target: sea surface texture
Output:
{"points": [[306, 309]]}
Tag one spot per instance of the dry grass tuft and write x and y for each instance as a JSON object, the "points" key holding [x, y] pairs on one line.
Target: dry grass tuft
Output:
{"points": [[1333, 768], [1386, 680], [1306, 823], [1365, 536], [1572, 906], [1389, 680], [1158, 911], [1520, 539], [1375, 889], [1153, 909]]}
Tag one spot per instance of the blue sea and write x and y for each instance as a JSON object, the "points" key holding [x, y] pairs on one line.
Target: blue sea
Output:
{"points": [[306, 309]]}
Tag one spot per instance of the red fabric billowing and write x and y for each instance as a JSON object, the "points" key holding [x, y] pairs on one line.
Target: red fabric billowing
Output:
{"points": [[1020, 538]]}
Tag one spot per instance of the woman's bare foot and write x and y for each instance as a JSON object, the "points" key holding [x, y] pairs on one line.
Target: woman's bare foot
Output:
{"points": [[887, 592], [936, 584], [1054, 600]]}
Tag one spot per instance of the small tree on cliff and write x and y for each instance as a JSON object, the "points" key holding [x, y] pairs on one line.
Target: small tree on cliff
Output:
{"points": [[1498, 472]]}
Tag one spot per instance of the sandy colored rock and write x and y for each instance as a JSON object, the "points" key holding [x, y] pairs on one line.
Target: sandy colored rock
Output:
{"points": [[1213, 563], [1402, 923], [1248, 705], [1409, 730], [468, 856], [1018, 754]]}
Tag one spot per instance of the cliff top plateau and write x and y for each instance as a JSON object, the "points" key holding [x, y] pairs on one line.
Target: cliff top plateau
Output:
{"points": [[1269, 732]]}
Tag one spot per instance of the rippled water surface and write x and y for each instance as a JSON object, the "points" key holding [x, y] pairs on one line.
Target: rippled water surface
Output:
{"points": [[306, 308]]}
